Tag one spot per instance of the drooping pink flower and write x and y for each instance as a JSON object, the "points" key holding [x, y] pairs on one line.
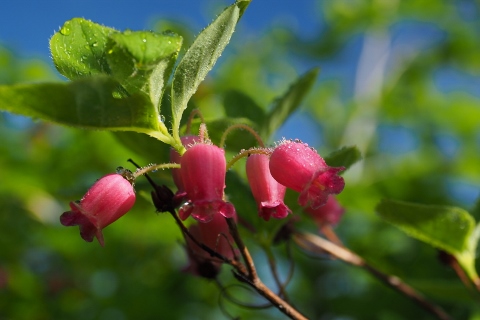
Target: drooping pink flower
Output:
{"points": [[202, 170], [215, 235], [330, 213], [106, 201], [268, 193], [299, 167]]}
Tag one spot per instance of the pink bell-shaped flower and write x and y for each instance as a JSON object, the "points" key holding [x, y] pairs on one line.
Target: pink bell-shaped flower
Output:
{"points": [[187, 142], [328, 214], [268, 193], [106, 201], [203, 169], [299, 167], [180, 195], [215, 235]]}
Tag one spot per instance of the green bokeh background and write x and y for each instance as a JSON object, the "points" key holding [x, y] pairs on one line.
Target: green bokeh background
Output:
{"points": [[48, 272]]}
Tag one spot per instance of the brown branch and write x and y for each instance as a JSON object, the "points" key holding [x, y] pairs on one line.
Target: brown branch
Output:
{"points": [[450, 260], [315, 243], [254, 281], [246, 274], [327, 230], [251, 271]]}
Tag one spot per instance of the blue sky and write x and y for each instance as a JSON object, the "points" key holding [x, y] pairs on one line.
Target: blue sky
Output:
{"points": [[26, 26]]}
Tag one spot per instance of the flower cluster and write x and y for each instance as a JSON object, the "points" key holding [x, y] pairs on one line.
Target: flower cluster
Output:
{"points": [[200, 178], [294, 165]]}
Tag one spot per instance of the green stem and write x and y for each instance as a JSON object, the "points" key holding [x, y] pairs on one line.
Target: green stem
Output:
{"points": [[243, 127], [154, 167], [246, 153], [195, 112]]}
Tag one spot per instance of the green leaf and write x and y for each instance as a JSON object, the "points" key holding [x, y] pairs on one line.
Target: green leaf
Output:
{"points": [[143, 60], [200, 59], [239, 105], [152, 150], [450, 229], [93, 103], [78, 48], [288, 103], [344, 157]]}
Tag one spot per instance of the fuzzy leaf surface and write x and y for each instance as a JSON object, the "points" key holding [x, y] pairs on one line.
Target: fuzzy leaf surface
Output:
{"points": [[200, 59]]}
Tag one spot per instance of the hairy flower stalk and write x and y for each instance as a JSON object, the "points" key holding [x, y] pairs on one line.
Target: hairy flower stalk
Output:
{"points": [[268, 193], [202, 169], [106, 201], [299, 167]]}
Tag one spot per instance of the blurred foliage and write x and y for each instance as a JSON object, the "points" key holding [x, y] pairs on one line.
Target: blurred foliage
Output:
{"points": [[399, 80]]}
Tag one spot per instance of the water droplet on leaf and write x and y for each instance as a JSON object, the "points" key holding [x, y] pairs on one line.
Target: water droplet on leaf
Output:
{"points": [[65, 30]]}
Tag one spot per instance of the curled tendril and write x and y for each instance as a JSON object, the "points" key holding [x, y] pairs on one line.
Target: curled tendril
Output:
{"points": [[226, 295]]}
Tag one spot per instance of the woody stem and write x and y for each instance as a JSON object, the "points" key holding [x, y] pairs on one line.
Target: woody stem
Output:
{"points": [[254, 281]]}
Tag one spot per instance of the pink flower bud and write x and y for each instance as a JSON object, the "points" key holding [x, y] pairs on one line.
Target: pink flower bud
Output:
{"points": [[299, 167], [203, 169], [105, 202], [215, 235], [330, 213], [268, 193]]}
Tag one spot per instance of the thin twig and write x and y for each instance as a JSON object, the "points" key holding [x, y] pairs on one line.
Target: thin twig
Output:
{"points": [[254, 281], [251, 271], [273, 268], [288, 251], [236, 264], [315, 243], [327, 230], [472, 284]]}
